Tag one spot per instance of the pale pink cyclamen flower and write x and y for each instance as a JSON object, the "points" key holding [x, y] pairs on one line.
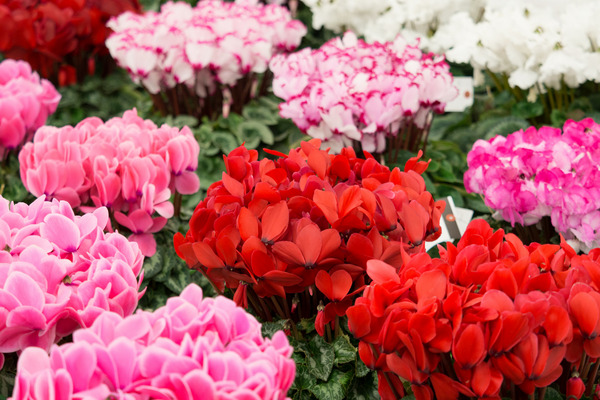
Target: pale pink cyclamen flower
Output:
{"points": [[214, 43], [59, 271], [26, 101], [128, 165], [192, 348], [543, 172], [349, 90]]}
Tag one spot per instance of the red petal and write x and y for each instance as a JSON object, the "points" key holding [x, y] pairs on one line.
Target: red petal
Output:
{"points": [[431, 284], [309, 242], [349, 200], [469, 348], [234, 187], [324, 284], [247, 224], [359, 320], [289, 253], [261, 263], [342, 282], [283, 278], [206, 256], [275, 221], [381, 272], [584, 310], [327, 202]]}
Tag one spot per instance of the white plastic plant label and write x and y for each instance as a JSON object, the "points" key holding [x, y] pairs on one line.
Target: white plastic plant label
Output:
{"points": [[465, 87]]}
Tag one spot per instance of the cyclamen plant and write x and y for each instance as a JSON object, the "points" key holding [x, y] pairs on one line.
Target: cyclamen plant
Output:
{"points": [[59, 272], [380, 96], [203, 60], [192, 348], [26, 101], [490, 318], [62, 40], [128, 165], [542, 172], [292, 236]]}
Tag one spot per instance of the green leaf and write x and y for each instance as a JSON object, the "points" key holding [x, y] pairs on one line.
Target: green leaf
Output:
{"points": [[527, 110], [345, 352], [303, 382], [153, 265], [553, 394], [260, 114], [361, 368], [269, 328], [507, 125], [558, 118], [249, 130], [178, 281], [320, 357], [225, 141], [181, 120], [335, 388], [165, 271], [446, 173], [307, 325], [364, 388]]}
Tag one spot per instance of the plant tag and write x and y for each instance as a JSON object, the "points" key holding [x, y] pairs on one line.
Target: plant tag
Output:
{"points": [[453, 223], [465, 87]]}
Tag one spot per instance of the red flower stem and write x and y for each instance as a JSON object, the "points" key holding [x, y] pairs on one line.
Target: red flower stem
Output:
{"points": [[542, 393], [255, 305], [591, 378], [278, 307], [328, 332], [174, 103], [582, 364], [177, 204], [338, 330], [447, 365], [266, 309]]}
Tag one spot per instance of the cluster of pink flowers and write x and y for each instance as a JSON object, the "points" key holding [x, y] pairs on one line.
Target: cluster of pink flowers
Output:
{"points": [[349, 90], [192, 348], [25, 103], [543, 172], [128, 165], [213, 43], [59, 272]]}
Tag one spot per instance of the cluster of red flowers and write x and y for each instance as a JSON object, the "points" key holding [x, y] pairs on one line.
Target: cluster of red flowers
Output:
{"points": [[489, 314], [300, 229], [58, 37]]}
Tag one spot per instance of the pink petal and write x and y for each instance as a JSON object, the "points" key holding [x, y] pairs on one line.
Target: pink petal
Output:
{"points": [[62, 231]]}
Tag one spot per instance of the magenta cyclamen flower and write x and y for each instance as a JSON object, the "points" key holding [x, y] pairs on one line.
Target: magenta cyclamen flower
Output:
{"points": [[213, 43], [25, 103], [59, 271], [543, 172], [128, 165], [190, 349], [349, 90]]}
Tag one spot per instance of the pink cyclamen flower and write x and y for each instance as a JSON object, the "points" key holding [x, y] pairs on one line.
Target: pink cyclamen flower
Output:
{"points": [[541, 172], [59, 271], [26, 101], [349, 90], [192, 348], [128, 165]]}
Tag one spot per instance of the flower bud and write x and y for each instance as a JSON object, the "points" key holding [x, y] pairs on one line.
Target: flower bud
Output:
{"points": [[575, 388]]}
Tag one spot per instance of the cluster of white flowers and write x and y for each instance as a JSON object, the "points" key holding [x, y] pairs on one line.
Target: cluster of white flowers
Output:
{"points": [[535, 43]]}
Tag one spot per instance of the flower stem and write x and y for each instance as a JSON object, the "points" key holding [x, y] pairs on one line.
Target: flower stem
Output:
{"points": [[177, 204], [591, 378]]}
